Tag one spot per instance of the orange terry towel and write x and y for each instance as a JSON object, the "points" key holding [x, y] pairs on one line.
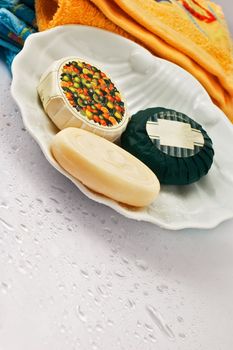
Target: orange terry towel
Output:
{"points": [[190, 33]]}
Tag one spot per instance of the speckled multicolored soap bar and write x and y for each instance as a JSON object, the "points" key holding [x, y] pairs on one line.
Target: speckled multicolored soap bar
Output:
{"points": [[75, 93]]}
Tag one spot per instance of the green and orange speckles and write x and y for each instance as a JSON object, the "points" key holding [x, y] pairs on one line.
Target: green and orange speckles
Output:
{"points": [[92, 93]]}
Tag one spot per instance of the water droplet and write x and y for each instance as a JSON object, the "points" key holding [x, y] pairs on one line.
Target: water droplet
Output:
{"points": [[99, 328], [110, 322], [182, 335], [145, 339], [62, 328], [53, 200], [28, 264], [74, 286], [21, 251], [152, 338], [114, 250], [103, 291], [141, 264], [84, 273], [114, 219], [10, 259], [80, 313], [108, 229], [23, 212], [98, 272], [162, 288], [61, 286], [36, 241], [22, 268], [130, 304], [58, 189], [97, 301], [139, 324], [89, 329], [37, 255], [15, 148], [77, 344], [109, 285], [6, 225], [65, 314], [18, 201], [5, 287], [159, 321], [119, 274], [18, 238], [4, 205], [148, 327], [125, 260], [40, 223], [74, 264], [24, 227], [58, 211], [39, 200], [94, 346]]}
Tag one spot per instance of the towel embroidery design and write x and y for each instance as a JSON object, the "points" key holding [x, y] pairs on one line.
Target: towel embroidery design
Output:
{"points": [[14, 37], [195, 9], [198, 11]]}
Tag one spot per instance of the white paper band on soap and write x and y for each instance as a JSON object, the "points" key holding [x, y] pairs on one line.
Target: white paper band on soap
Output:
{"points": [[174, 134]]}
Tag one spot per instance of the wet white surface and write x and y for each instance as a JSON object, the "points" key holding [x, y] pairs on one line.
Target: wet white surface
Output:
{"points": [[75, 275]]}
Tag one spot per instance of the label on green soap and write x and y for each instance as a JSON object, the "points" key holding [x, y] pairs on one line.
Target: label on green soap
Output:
{"points": [[174, 135]]}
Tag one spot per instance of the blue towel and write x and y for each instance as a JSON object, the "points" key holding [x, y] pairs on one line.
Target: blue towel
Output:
{"points": [[25, 13], [30, 3], [9, 56], [17, 22], [21, 10]]}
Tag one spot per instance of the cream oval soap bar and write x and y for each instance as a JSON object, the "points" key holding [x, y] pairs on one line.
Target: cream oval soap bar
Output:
{"points": [[105, 167], [75, 93], [171, 144]]}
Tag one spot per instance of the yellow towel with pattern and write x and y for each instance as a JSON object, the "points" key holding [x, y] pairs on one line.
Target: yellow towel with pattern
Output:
{"points": [[190, 33]]}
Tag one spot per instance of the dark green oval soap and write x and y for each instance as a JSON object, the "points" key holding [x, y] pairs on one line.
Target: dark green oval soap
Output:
{"points": [[175, 147]]}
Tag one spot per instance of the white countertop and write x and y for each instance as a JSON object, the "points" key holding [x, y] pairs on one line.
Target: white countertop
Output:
{"points": [[75, 275]]}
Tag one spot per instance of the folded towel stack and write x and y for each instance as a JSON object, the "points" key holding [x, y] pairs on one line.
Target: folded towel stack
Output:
{"points": [[190, 33], [17, 21]]}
